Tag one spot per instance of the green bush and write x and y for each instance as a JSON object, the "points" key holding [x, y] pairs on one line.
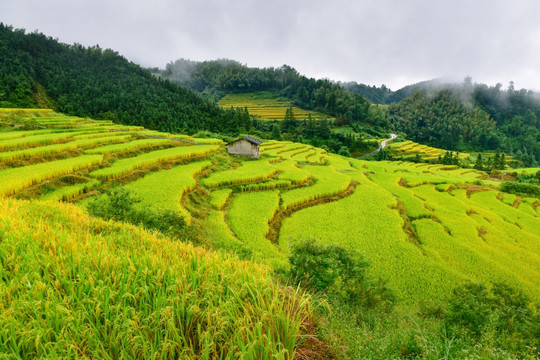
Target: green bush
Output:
{"points": [[521, 188], [340, 273], [119, 205], [469, 307], [344, 151], [501, 313]]}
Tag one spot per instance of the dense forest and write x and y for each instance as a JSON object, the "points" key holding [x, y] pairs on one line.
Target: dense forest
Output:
{"points": [[472, 117], [217, 77], [38, 71], [383, 95]]}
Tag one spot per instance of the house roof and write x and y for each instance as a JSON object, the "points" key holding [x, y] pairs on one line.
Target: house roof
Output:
{"points": [[247, 138]]}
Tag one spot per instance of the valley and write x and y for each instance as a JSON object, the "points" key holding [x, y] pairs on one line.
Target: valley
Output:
{"points": [[375, 224]]}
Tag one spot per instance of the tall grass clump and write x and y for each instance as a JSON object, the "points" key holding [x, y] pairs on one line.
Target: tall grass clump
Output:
{"points": [[72, 286]]}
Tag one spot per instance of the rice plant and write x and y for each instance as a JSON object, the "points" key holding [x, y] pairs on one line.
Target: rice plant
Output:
{"points": [[250, 171], [16, 179], [76, 287], [124, 166]]}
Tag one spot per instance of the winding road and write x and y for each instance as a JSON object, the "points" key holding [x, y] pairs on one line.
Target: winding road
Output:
{"points": [[383, 145]]}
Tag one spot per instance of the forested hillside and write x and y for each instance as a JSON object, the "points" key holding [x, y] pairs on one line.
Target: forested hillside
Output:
{"points": [[469, 117], [38, 71], [218, 77], [384, 95]]}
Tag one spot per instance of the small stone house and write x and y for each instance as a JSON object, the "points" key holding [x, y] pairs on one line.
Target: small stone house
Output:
{"points": [[246, 146]]}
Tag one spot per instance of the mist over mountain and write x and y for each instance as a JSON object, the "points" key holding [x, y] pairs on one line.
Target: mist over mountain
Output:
{"points": [[472, 117]]}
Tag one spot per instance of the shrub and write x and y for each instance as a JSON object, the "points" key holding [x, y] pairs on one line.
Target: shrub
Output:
{"points": [[469, 308], [344, 151], [521, 188], [119, 205], [501, 313], [338, 272]]}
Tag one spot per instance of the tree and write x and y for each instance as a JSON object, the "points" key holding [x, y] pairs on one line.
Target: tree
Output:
{"points": [[496, 160], [289, 121], [479, 164], [489, 164], [344, 151], [502, 163], [276, 132], [339, 272]]}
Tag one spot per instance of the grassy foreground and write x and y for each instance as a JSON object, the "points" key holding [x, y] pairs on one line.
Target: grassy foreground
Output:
{"points": [[75, 286]]}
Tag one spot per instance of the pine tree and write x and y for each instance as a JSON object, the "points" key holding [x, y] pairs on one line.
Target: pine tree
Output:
{"points": [[502, 163], [447, 159], [497, 160], [479, 165], [276, 132], [289, 121], [489, 164]]}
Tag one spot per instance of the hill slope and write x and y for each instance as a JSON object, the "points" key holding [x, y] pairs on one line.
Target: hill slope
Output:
{"points": [[38, 71], [472, 118], [225, 76], [425, 230], [295, 192], [72, 286]]}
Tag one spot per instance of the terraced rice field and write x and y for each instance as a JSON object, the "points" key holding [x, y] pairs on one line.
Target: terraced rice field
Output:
{"points": [[127, 165], [411, 149], [248, 172], [264, 107], [67, 193], [16, 179], [424, 228], [70, 145], [295, 151], [168, 186]]}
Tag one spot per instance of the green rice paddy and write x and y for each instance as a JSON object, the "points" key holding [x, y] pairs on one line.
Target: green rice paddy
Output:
{"points": [[436, 226]]}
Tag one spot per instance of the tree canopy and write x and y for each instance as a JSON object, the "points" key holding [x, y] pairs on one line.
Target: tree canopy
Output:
{"points": [[217, 77], [38, 71]]}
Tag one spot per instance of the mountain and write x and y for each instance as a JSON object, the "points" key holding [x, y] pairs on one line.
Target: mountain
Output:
{"points": [[383, 95], [472, 117], [38, 71], [218, 77]]}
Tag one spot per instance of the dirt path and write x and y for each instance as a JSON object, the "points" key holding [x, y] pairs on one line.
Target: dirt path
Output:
{"points": [[383, 145]]}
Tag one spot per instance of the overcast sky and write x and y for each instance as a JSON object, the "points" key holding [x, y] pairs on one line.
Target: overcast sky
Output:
{"points": [[392, 42]]}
